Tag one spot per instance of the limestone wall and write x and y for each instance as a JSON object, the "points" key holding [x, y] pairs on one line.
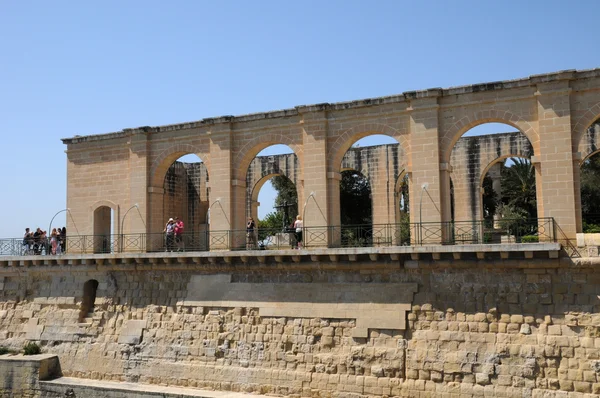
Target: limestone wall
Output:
{"points": [[513, 328]]}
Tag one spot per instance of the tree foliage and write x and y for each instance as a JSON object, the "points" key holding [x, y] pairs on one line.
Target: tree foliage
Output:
{"points": [[355, 199], [518, 186], [404, 197], [590, 193], [490, 199], [286, 193]]}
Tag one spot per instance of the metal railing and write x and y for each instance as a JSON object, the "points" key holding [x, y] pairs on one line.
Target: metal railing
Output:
{"points": [[376, 235]]}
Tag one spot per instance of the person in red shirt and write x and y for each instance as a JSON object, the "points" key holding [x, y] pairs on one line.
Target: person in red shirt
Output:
{"points": [[179, 234]]}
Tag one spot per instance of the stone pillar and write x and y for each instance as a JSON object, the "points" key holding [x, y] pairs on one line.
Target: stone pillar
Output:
{"points": [[382, 181], [318, 198], [445, 171], [495, 173], [227, 197], [136, 220], [155, 223], [425, 192], [557, 163]]}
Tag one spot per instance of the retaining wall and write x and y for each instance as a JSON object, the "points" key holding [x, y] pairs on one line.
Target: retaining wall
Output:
{"points": [[347, 323]]}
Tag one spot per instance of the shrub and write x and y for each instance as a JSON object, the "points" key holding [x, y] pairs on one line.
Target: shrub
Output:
{"points": [[530, 239], [3, 350], [31, 349], [589, 228]]}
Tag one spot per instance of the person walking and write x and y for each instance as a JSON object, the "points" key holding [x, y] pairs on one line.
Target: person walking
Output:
{"points": [[169, 234], [178, 230], [250, 234], [27, 242], [298, 226], [63, 239], [53, 241]]}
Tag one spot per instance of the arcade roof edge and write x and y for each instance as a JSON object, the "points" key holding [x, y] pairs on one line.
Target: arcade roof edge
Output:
{"points": [[406, 96]]}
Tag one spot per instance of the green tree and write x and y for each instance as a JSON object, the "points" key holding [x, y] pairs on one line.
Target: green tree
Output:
{"points": [[518, 186], [404, 197], [270, 225], [355, 199], [590, 193], [490, 199], [286, 193]]}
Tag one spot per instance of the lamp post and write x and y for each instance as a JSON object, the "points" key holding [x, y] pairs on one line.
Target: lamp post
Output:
{"points": [[423, 189], [312, 195], [208, 217], [210, 207], [57, 213], [135, 206], [123, 219], [50, 227]]}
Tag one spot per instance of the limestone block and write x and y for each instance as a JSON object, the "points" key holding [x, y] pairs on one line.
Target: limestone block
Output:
{"points": [[131, 333], [580, 239], [33, 331], [593, 251], [381, 306]]}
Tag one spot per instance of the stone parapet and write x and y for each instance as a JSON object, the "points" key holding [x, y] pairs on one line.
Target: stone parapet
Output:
{"points": [[20, 375], [476, 255]]}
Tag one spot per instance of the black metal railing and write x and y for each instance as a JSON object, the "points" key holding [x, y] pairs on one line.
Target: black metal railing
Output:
{"points": [[375, 235]]}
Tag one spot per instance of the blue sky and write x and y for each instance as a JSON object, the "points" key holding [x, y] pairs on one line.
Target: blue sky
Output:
{"points": [[69, 68]]}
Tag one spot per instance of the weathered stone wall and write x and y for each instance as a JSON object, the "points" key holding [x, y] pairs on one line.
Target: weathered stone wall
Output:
{"points": [[512, 327]]}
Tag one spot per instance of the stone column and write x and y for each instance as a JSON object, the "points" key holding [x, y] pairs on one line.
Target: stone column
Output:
{"points": [[426, 187], [136, 221], [155, 223], [227, 197], [315, 190], [495, 173], [557, 163]]}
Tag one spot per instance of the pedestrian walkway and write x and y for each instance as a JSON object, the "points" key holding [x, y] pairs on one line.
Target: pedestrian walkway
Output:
{"points": [[70, 386]]}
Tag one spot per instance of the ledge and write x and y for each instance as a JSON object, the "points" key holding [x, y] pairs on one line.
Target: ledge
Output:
{"points": [[88, 387], [524, 255]]}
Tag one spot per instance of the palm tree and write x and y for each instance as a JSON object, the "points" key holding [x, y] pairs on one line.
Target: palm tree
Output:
{"points": [[518, 185]]}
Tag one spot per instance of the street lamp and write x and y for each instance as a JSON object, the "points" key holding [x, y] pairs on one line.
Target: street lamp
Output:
{"points": [[423, 189], [135, 206], [210, 207], [57, 213], [312, 195]]}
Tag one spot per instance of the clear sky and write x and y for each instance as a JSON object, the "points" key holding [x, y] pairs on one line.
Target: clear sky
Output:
{"points": [[82, 67]]}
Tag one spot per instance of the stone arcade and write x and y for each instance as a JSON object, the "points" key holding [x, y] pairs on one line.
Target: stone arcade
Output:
{"points": [[422, 321]]}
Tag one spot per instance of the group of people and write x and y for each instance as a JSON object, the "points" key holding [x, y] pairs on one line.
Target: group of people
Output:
{"points": [[251, 236], [38, 242], [174, 235]]}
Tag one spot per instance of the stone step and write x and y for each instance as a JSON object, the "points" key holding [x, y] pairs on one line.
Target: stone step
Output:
{"points": [[75, 387]]}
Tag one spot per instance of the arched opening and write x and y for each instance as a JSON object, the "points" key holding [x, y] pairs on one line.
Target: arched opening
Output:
{"points": [[403, 228], [590, 180], [508, 200], [186, 202], [356, 210], [88, 300], [272, 198], [104, 230], [371, 192], [471, 157], [493, 179]]}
